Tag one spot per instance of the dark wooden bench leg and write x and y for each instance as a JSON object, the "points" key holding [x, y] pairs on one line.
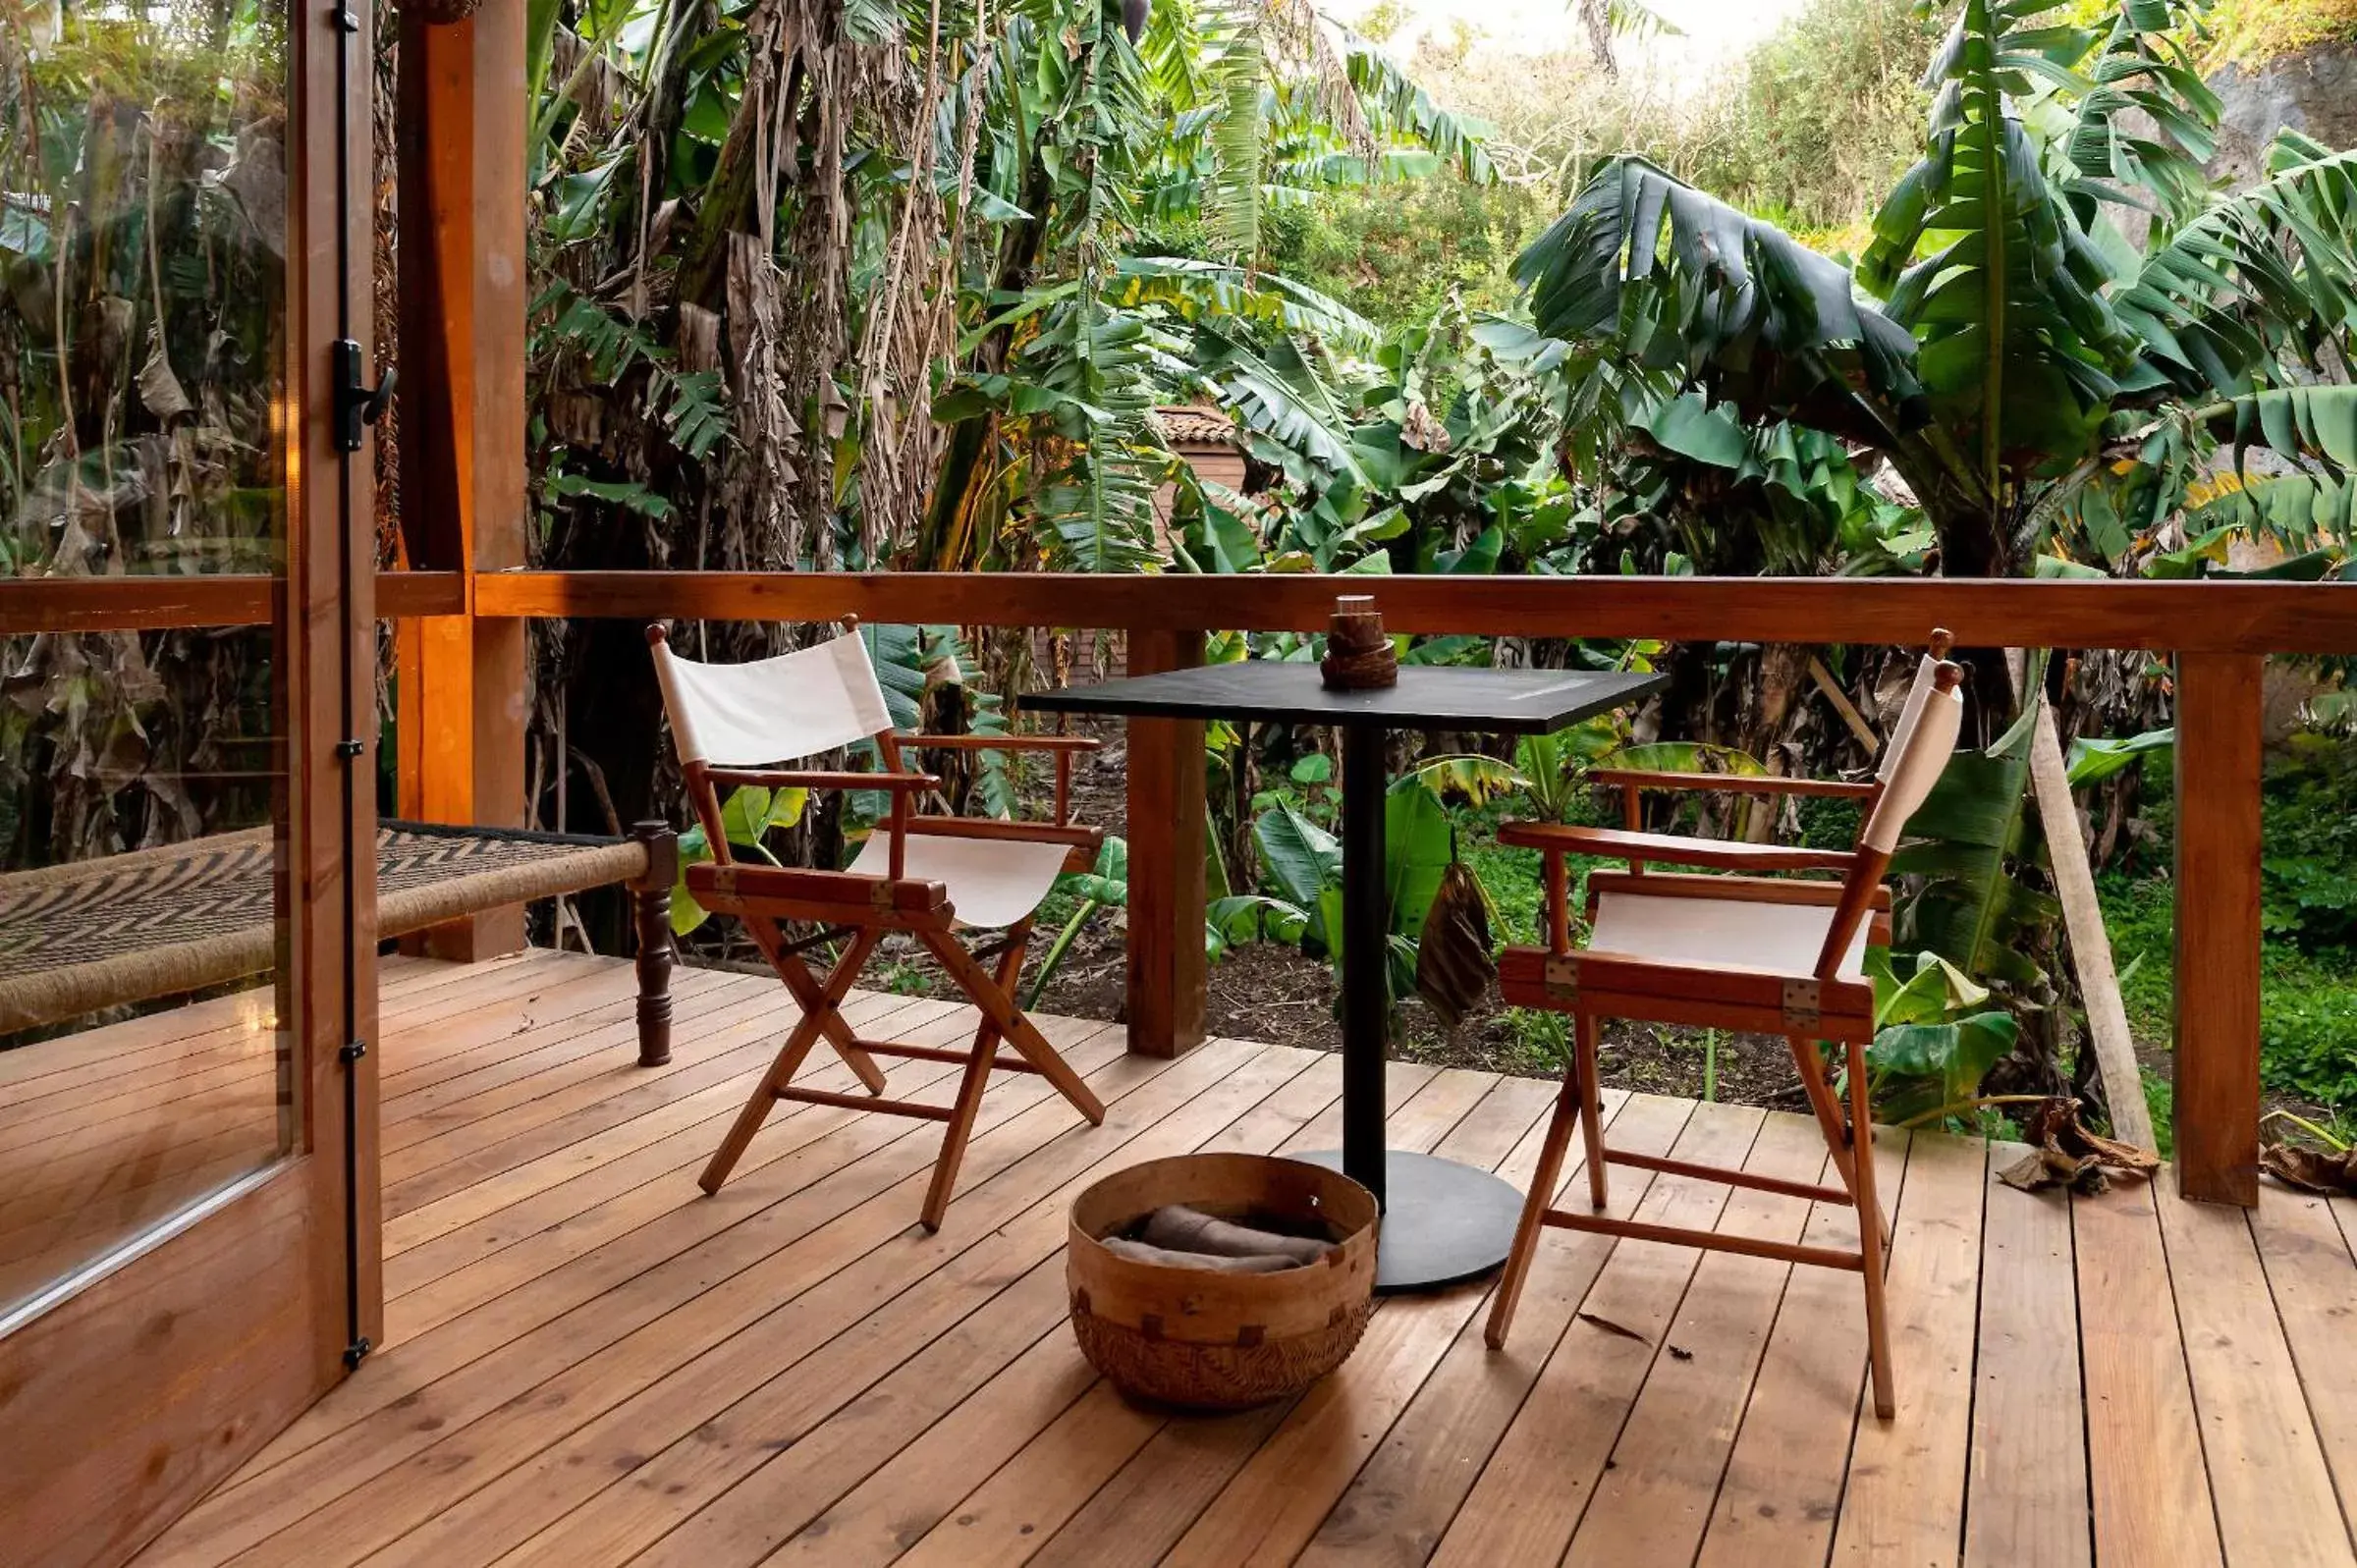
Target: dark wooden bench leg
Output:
{"points": [[651, 904]]}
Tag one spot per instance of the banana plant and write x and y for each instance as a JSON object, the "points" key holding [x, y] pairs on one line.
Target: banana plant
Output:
{"points": [[1103, 886], [1934, 1039], [745, 818], [1999, 341], [1303, 865], [1964, 841]]}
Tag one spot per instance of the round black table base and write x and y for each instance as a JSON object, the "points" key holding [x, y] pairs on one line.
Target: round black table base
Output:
{"points": [[1441, 1221]]}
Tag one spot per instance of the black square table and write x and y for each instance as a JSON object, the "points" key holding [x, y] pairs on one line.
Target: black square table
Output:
{"points": [[1441, 1221]]}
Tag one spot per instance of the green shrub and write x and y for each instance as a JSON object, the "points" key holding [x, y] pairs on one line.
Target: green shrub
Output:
{"points": [[2309, 852], [2307, 1006]]}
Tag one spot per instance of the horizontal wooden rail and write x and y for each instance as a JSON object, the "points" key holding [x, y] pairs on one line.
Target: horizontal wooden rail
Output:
{"points": [[2212, 616], [411, 595], [228, 599]]}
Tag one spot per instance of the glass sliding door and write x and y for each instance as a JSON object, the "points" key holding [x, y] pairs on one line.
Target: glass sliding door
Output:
{"points": [[184, 937], [143, 164]]}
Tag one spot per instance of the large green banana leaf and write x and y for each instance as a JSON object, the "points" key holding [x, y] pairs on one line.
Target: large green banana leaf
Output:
{"points": [[1683, 282], [1972, 908]]}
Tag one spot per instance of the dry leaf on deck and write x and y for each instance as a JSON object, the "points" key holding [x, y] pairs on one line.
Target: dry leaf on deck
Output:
{"points": [[2064, 1153], [2319, 1170]]}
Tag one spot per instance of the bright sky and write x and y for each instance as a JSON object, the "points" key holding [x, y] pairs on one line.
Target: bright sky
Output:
{"points": [[1713, 29]]}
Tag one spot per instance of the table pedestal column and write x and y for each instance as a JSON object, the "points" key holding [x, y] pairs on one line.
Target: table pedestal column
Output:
{"points": [[1441, 1221]]}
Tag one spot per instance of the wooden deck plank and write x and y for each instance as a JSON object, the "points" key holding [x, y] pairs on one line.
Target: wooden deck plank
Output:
{"points": [[632, 1112], [611, 1085], [478, 1480], [769, 1233], [2275, 1496], [792, 1488], [2028, 1463], [660, 1220], [2314, 1279], [550, 1060], [1904, 1503], [1404, 1499], [658, 1151], [1183, 1465], [1781, 1493], [1282, 1491], [2146, 1478], [920, 1490], [709, 1434], [1657, 1494], [593, 1363], [1544, 1471]]}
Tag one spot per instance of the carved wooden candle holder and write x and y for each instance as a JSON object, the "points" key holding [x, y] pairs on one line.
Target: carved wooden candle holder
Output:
{"points": [[1358, 655]]}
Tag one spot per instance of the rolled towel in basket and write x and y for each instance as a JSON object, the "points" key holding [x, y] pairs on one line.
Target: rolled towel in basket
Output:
{"points": [[1210, 1263], [1178, 1228]]}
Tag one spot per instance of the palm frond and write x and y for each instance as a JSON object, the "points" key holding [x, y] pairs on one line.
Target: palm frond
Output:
{"points": [[1213, 293], [2266, 277], [2142, 120], [1239, 140], [1284, 398]]}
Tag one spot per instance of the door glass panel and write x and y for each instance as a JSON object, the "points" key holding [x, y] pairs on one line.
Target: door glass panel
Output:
{"points": [[144, 1063]]}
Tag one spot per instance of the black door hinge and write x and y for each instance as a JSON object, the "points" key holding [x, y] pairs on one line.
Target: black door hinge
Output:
{"points": [[357, 1352], [356, 402], [353, 1053], [351, 749]]}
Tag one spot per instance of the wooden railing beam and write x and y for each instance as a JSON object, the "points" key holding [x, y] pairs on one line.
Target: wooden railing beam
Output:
{"points": [[2216, 982], [2217, 616]]}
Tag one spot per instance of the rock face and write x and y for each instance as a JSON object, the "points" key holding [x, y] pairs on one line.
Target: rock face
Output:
{"points": [[2312, 90]]}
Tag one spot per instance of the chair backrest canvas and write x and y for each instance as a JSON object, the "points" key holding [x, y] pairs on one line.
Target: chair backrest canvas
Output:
{"points": [[772, 710], [1918, 755]]}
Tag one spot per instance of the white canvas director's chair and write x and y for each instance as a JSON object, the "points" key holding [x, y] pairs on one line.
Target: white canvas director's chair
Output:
{"points": [[1750, 950], [923, 874]]}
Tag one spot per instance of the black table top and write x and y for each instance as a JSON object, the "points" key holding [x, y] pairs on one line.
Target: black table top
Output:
{"points": [[1427, 697]]}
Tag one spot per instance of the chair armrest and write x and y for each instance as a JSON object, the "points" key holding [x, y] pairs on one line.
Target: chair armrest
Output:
{"points": [[1617, 843], [1744, 784], [780, 778], [1081, 844], [1000, 742], [834, 898]]}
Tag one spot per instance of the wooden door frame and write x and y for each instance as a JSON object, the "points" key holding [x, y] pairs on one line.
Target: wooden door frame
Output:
{"points": [[126, 1402]]}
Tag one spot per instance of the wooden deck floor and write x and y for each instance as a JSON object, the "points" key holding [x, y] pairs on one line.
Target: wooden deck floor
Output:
{"points": [[590, 1363], [107, 1132]]}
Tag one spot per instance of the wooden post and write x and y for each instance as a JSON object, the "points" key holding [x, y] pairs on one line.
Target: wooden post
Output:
{"points": [[464, 697], [650, 915], [2216, 1076], [1167, 851]]}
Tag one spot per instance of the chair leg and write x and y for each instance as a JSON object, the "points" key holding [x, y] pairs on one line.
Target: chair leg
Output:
{"points": [[1584, 1031], [831, 1023], [1811, 1064], [975, 1079], [1570, 1107], [1019, 1029], [817, 1005], [1870, 1233]]}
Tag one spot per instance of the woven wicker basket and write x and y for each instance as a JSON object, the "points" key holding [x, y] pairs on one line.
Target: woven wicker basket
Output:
{"points": [[1209, 1341]]}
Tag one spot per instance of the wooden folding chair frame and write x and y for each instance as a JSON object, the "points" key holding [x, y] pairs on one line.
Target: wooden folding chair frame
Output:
{"points": [[861, 910], [1809, 1010]]}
